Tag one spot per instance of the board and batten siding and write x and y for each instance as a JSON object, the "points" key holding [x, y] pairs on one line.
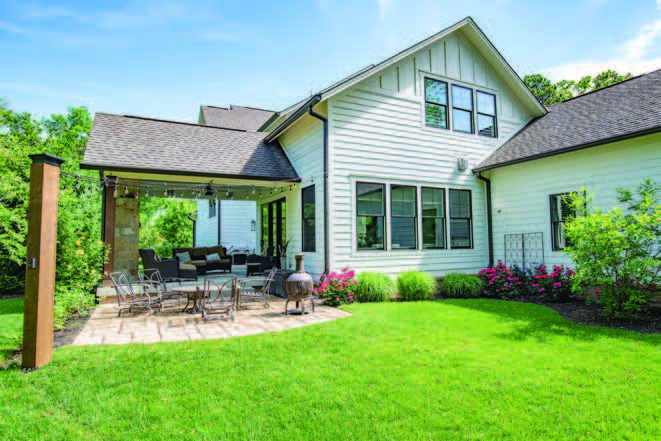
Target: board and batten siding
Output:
{"points": [[303, 145], [521, 192], [235, 224], [377, 134]]}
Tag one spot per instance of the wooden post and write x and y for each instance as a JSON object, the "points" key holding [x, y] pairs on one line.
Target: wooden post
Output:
{"points": [[40, 251], [108, 228]]}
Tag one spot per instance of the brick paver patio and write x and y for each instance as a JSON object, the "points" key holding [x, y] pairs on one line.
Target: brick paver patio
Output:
{"points": [[170, 324]]}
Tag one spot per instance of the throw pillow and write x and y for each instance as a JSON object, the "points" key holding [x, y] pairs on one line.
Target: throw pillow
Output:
{"points": [[184, 258], [213, 256]]}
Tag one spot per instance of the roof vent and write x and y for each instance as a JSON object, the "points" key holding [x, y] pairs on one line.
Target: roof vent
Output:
{"points": [[462, 164]]}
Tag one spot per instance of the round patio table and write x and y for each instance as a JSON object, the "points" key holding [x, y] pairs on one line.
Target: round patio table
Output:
{"points": [[195, 292]]}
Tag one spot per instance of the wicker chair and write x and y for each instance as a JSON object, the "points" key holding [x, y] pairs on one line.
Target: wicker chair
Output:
{"points": [[134, 295], [217, 298], [255, 289]]}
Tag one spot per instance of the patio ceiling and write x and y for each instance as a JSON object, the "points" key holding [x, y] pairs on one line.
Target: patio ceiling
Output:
{"points": [[145, 149]]}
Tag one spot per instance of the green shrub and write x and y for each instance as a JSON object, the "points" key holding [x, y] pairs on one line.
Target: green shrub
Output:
{"points": [[463, 286], [416, 285], [374, 287], [70, 301]]}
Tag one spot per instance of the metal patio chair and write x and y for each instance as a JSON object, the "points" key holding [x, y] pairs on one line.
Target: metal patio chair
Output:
{"points": [[217, 298], [255, 289], [134, 294], [153, 278]]}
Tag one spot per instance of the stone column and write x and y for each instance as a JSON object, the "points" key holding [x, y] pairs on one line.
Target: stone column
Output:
{"points": [[40, 251], [108, 227]]}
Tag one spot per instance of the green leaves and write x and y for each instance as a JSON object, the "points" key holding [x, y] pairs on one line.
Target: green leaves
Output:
{"points": [[549, 93]]}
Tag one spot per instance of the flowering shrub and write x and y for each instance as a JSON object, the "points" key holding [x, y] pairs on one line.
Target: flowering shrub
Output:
{"points": [[80, 263], [553, 287], [337, 288], [500, 281]]}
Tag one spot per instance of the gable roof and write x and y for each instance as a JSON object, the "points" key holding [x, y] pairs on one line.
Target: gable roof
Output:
{"points": [[138, 144], [235, 117], [624, 110], [473, 32]]}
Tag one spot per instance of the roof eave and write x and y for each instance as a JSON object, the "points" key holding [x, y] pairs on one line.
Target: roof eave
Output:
{"points": [[571, 149], [302, 110]]}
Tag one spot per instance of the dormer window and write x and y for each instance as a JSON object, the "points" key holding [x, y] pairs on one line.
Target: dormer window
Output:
{"points": [[486, 114], [462, 109], [436, 103]]}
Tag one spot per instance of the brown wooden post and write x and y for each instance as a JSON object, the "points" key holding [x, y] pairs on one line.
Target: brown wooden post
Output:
{"points": [[108, 230], [40, 272]]}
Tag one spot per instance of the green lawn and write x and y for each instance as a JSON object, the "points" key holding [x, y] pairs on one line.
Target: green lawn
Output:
{"points": [[11, 326], [461, 369]]}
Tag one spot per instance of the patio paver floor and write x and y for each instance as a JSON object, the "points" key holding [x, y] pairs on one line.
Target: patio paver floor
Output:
{"points": [[170, 324]]}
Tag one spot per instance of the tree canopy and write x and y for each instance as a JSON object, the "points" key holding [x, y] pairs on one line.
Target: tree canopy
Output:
{"points": [[548, 92]]}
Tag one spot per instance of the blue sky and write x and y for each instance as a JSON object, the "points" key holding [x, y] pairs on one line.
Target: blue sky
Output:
{"points": [[164, 58]]}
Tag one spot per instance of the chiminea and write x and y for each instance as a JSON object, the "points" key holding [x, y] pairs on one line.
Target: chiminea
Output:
{"points": [[299, 287]]}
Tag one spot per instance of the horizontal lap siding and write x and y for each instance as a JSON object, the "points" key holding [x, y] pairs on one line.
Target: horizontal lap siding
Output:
{"points": [[521, 192], [206, 229], [303, 144]]}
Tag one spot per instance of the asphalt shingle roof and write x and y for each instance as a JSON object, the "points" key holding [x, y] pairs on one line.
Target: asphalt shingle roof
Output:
{"points": [[617, 111], [236, 117], [129, 142]]}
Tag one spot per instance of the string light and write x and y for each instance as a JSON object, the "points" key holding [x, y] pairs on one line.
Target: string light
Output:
{"points": [[126, 190], [253, 190]]}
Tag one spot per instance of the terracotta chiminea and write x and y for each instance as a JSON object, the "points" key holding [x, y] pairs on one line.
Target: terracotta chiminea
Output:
{"points": [[299, 285]]}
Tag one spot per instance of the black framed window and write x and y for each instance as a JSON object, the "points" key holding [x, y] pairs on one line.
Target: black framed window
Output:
{"points": [[436, 103], [560, 212], [486, 114], [403, 217], [308, 214], [370, 216], [461, 219], [462, 109], [433, 218], [212, 208]]}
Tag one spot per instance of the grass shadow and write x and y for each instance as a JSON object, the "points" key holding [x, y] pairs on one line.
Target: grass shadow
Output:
{"points": [[540, 323]]}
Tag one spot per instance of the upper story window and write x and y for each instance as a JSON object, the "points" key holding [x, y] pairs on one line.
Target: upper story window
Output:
{"points": [[404, 216], [465, 109], [436, 103], [308, 212], [486, 114], [212, 208], [560, 211], [370, 216], [462, 109]]}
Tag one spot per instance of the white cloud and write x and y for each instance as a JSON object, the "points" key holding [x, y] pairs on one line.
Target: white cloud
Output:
{"points": [[630, 57]]}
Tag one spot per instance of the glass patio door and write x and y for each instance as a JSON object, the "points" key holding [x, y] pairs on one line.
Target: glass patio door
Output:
{"points": [[274, 226]]}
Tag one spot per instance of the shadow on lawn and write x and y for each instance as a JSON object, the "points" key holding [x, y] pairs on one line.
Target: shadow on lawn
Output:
{"points": [[11, 307], [541, 323]]}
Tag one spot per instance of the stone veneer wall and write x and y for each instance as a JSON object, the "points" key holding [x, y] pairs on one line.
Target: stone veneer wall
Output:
{"points": [[127, 238]]}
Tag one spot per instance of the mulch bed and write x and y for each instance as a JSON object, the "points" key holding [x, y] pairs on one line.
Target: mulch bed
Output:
{"points": [[578, 311]]}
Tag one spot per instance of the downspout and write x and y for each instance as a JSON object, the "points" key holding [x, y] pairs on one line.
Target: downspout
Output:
{"points": [[193, 218], [487, 183], [324, 120], [218, 214]]}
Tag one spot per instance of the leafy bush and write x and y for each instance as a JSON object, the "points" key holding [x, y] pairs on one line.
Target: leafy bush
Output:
{"points": [[70, 301], [337, 288], [617, 250], [554, 287], [463, 286], [374, 287], [501, 281], [416, 285]]}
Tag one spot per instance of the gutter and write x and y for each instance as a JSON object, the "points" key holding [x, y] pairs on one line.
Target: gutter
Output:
{"points": [[324, 120], [487, 184], [311, 102], [193, 218]]}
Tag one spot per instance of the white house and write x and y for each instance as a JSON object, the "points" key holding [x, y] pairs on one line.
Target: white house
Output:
{"points": [[231, 224], [433, 159]]}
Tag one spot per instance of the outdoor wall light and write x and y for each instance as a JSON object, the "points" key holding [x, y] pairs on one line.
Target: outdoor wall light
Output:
{"points": [[208, 190], [253, 225]]}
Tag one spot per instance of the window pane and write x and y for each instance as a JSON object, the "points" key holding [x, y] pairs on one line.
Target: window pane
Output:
{"points": [[370, 232], [433, 202], [403, 200], [436, 91], [460, 233], [460, 204], [309, 241], [486, 125], [461, 121], [403, 232], [265, 227], [436, 116], [462, 98], [433, 233], [370, 199], [308, 197], [308, 203], [486, 103]]}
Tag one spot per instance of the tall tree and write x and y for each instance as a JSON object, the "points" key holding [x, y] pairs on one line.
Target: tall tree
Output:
{"points": [[549, 93]]}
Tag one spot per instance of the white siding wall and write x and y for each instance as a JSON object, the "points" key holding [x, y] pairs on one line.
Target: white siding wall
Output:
{"points": [[377, 134], [236, 217], [521, 192], [303, 144]]}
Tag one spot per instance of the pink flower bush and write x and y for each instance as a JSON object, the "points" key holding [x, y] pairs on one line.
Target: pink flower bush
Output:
{"points": [[336, 288]]}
